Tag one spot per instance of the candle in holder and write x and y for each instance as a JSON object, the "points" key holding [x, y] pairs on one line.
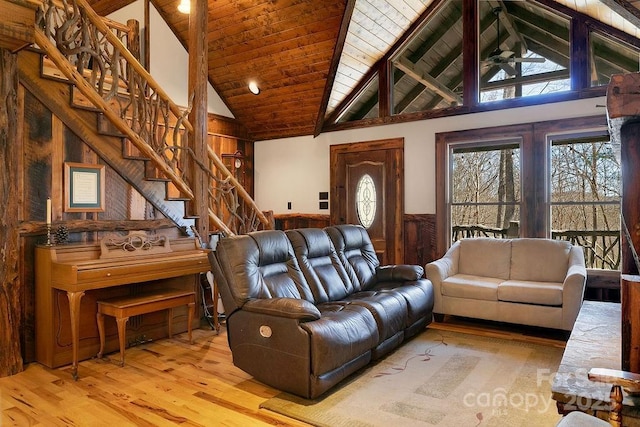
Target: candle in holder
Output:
{"points": [[48, 211]]}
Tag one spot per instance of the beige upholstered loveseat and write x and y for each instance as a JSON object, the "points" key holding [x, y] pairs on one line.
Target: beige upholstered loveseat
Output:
{"points": [[537, 282]]}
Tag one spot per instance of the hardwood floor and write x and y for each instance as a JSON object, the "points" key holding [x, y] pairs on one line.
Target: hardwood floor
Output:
{"points": [[169, 382], [166, 382]]}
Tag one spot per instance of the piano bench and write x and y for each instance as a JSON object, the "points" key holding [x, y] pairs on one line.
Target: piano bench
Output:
{"points": [[124, 307]]}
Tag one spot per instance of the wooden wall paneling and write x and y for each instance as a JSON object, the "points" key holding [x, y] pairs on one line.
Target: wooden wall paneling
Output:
{"points": [[10, 283], [36, 173], [247, 149], [419, 238], [292, 221], [26, 323], [630, 285], [116, 196], [27, 275], [56, 191], [37, 158]]}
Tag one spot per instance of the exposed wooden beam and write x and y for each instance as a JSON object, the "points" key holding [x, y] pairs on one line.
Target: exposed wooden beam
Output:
{"points": [[508, 24], [470, 50], [427, 80], [198, 71], [439, 68], [522, 80], [11, 286], [624, 9], [335, 61]]}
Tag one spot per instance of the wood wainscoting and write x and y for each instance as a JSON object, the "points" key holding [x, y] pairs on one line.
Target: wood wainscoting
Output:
{"points": [[419, 233], [298, 220], [419, 238]]}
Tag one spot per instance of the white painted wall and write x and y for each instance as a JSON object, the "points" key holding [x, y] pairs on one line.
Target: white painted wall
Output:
{"points": [[296, 169], [169, 60]]}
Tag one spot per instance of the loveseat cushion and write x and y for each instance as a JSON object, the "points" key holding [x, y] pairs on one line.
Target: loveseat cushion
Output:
{"points": [[485, 257], [529, 292], [471, 287], [539, 260]]}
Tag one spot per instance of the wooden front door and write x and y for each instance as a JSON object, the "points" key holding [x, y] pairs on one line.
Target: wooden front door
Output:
{"points": [[367, 188]]}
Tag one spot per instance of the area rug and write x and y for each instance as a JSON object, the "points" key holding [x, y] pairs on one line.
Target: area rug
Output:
{"points": [[441, 378]]}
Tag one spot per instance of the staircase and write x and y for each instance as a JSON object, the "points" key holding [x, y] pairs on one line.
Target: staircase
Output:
{"points": [[140, 132]]}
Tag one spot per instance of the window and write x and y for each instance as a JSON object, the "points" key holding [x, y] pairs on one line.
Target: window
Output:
{"points": [[515, 53], [427, 70], [585, 197], [366, 200], [609, 56], [519, 57], [485, 189], [550, 179]]}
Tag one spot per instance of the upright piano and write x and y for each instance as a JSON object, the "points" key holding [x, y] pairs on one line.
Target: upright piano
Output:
{"points": [[118, 265]]}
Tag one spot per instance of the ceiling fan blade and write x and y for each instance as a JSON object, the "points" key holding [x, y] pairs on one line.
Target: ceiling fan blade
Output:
{"points": [[508, 69], [539, 60]]}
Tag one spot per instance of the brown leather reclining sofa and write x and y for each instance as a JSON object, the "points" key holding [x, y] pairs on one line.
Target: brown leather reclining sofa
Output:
{"points": [[306, 308]]}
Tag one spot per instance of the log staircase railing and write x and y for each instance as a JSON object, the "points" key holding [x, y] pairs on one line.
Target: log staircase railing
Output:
{"points": [[90, 52]]}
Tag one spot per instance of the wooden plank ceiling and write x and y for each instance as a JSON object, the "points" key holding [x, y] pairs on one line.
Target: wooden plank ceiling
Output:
{"points": [[287, 47]]}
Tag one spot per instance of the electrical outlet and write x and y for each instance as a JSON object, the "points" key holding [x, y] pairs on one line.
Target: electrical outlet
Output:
{"points": [[289, 205]]}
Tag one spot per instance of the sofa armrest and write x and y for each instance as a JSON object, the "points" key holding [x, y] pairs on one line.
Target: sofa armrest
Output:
{"points": [[399, 273], [573, 287], [440, 269], [437, 271], [290, 308]]}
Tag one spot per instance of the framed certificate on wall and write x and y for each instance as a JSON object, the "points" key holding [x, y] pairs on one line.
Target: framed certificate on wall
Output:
{"points": [[84, 187]]}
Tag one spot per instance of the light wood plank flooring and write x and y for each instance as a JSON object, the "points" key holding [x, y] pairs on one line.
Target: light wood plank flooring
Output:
{"points": [[166, 382]]}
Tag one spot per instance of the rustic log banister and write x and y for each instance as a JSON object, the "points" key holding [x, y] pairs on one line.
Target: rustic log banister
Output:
{"points": [[239, 188], [102, 24], [43, 41], [91, 53], [233, 183]]}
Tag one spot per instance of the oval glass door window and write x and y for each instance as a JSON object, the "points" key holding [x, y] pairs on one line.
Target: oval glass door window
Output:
{"points": [[366, 200]]}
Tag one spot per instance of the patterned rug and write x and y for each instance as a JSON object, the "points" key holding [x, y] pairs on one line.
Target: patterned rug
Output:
{"points": [[441, 378]]}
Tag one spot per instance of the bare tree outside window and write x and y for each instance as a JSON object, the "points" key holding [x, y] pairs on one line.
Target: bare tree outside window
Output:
{"points": [[583, 201], [485, 190], [585, 198]]}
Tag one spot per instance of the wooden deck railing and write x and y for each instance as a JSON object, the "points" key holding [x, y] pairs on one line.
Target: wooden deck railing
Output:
{"points": [[91, 52], [601, 247]]}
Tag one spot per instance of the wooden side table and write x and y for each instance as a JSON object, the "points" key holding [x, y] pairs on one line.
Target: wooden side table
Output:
{"points": [[595, 342]]}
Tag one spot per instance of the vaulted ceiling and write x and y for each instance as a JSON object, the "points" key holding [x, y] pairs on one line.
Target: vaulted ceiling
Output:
{"points": [[308, 55]]}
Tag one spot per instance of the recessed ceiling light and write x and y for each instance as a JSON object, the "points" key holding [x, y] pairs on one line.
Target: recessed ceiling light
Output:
{"points": [[184, 6], [253, 87]]}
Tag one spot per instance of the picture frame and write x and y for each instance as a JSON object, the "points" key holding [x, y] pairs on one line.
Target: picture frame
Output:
{"points": [[84, 187]]}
